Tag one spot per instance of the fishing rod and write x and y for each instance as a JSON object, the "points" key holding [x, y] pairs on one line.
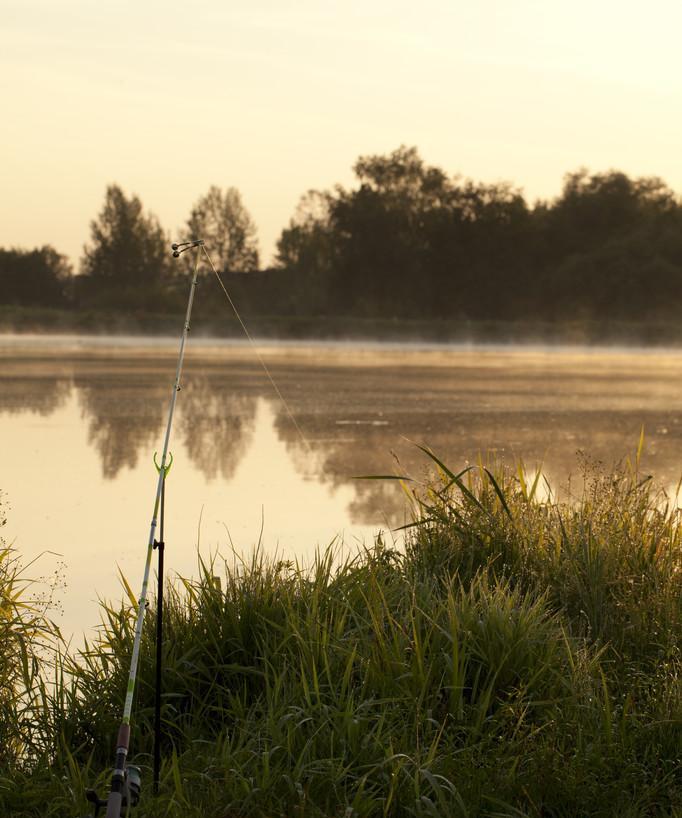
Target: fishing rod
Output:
{"points": [[126, 784], [125, 788]]}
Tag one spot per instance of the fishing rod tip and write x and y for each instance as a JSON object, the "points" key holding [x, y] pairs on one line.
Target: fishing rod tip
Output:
{"points": [[180, 247]]}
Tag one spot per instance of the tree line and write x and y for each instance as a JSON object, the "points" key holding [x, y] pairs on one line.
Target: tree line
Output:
{"points": [[407, 241], [127, 263]]}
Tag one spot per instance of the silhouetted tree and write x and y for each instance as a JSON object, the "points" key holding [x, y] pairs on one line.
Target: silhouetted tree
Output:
{"points": [[612, 248], [410, 241], [305, 251], [381, 256], [593, 209], [220, 218], [128, 261], [41, 277], [407, 241]]}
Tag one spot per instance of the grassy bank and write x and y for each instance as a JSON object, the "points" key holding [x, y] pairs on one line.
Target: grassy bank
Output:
{"points": [[520, 656], [39, 320]]}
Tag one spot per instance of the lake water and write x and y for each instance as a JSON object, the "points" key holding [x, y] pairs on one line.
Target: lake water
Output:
{"points": [[80, 419]]}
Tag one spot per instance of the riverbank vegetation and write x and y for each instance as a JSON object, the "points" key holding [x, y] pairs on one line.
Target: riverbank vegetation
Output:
{"points": [[520, 656], [409, 243], [28, 641]]}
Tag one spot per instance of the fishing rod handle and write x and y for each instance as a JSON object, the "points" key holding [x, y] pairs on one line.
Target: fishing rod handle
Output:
{"points": [[115, 799]]}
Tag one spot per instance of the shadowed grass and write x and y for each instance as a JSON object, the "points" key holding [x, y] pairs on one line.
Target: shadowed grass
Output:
{"points": [[520, 656]]}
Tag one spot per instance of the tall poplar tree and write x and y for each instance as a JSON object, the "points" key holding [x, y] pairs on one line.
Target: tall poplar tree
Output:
{"points": [[223, 222]]}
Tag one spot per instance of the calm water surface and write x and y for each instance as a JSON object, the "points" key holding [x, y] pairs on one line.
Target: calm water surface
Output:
{"points": [[80, 419]]}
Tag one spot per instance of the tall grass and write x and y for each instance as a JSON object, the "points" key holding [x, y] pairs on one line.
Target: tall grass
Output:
{"points": [[27, 643], [520, 656]]}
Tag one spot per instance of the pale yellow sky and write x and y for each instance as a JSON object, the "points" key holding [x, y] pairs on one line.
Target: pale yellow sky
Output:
{"points": [[167, 98]]}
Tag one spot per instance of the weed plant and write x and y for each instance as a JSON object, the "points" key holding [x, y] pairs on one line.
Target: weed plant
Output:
{"points": [[519, 656]]}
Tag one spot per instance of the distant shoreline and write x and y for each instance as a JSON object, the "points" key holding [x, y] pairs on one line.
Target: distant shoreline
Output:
{"points": [[35, 320]]}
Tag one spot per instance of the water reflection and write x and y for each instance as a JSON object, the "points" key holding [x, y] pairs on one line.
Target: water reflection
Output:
{"points": [[553, 441], [217, 425], [544, 407], [40, 395], [362, 413], [124, 417]]}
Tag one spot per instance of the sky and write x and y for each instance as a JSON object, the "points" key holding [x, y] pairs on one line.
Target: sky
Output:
{"points": [[276, 97]]}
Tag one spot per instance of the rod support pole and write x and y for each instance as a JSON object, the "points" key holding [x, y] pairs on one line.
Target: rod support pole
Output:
{"points": [[160, 545]]}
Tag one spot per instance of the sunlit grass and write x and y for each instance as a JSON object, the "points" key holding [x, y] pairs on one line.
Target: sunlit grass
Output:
{"points": [[520, 656]]}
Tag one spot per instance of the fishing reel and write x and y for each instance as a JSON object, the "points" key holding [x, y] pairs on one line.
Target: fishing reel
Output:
{"points": [[131, 793], [181, 247]]}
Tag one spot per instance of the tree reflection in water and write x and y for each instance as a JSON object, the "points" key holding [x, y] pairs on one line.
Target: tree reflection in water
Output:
{"points": [[124, 413], [366, 417], [42, 395], [216, 425]]}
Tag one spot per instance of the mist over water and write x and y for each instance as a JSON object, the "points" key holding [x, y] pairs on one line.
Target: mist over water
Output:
{"points": [[80, 419]]}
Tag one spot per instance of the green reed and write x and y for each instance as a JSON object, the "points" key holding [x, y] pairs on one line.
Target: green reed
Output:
{"points": [[28, 641], [519, 656]]}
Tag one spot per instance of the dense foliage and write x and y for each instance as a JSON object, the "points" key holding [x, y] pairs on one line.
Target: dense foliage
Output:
{"points": [[39, 277], [521, 656], [407, 242], [412, 242]]}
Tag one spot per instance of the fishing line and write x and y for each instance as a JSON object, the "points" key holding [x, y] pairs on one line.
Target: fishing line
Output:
{"points": [[258, 355]]}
